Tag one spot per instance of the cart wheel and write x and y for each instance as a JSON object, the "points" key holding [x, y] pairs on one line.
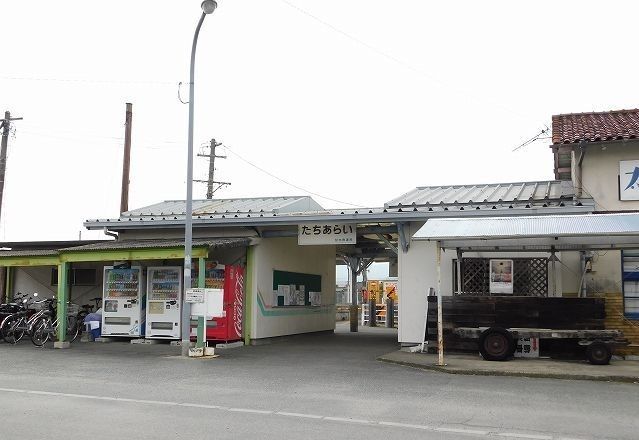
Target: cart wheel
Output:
{"points": [[598, 353], [496, 344]]}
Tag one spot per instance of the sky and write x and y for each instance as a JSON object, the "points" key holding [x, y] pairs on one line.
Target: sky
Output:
{"points": [[353, 102]]}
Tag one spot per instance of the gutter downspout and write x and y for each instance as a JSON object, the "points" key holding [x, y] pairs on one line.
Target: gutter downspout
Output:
{"points": [[578, 172], [109, 233]]}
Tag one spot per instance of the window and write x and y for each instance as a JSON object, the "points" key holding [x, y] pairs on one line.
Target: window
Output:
{"points": [[77, 277], [530, 276], [630, 262]]}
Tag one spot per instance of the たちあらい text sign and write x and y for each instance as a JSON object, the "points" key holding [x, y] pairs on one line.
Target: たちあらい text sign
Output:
{"points": [[326, 233]]}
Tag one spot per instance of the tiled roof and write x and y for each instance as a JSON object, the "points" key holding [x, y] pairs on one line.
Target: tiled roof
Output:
{"points": [[485, 194], [595, 127]]}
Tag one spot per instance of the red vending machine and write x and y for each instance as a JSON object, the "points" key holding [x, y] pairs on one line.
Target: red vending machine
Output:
{"points": [[229, 327]]}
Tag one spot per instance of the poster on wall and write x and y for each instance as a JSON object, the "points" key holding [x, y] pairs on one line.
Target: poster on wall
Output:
{"points": [[501, 276], [629, 180]]}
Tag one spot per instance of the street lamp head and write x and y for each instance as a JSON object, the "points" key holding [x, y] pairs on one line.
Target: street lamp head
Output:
{"points": [[208, 6]]}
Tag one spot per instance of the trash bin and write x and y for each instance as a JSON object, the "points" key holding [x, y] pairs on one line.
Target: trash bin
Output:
{"points": [[93, 322], [96, 331]]}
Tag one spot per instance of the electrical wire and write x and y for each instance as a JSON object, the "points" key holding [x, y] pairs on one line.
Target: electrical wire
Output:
{"points": [[535, 138], [228, 149], [404, 64], [84, 80]]}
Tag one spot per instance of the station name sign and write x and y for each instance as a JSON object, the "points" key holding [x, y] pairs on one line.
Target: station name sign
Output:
{"points": [[326, 233]]}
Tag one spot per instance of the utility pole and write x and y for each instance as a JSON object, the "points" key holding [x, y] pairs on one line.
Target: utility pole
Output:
{"points": [[6, 125], [210, 183], [126, 162]]}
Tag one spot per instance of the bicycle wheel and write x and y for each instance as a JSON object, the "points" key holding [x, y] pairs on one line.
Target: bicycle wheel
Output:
{"points": [[10, 329], [73, 328], [41, 331]]}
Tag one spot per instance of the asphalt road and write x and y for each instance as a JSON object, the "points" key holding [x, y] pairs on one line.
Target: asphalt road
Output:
{"points": [[308, 387]]}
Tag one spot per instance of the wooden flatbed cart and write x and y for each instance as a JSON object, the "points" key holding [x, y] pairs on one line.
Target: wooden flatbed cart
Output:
{"points": [[498, 343]]}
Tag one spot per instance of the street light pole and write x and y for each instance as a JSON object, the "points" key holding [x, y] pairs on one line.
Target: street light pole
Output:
{"points": [[208, 6]]}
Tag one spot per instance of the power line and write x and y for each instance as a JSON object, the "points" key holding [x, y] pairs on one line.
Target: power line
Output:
{"points": [[85, 80], [289, 183], [402, 62], [535, 138]]}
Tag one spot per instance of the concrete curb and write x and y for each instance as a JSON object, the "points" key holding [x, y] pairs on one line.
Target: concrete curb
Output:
{"points": [[475, 372]]}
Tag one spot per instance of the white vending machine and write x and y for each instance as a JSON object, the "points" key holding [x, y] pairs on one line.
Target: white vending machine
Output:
{"points": [[163, 298], [123, 305]]}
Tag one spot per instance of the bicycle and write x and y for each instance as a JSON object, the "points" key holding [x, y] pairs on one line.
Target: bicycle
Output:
{"points": [[45, 327], [15, 325]]}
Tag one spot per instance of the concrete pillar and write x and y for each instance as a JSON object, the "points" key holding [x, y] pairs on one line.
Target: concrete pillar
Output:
{"points": [[353, 307]]}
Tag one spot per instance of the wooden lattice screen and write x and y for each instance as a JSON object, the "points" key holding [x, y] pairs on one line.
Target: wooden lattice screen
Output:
{"points": [[530, 276]]}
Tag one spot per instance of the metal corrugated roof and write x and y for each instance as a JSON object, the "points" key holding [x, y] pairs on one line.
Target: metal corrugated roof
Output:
{"points": [[146, 244], [221, 206], [485, 193], [362, 215], [529, 227], [30, 253]]}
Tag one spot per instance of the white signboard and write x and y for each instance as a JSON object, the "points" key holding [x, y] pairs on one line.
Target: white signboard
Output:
{"points": [[326, 233], [527, 348], [501, 276], [194, 296], [629, 180], [212, 304]]}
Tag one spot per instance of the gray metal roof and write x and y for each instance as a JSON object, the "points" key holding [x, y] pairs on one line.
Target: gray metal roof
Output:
{"points": [[361, 216], [146, 244], [486, 194], [558, 231], [222, 206], [29, 253]]}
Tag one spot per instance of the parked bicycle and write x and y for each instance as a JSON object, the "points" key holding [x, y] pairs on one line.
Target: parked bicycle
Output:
{"points": [[46, 326], [15, 325]]}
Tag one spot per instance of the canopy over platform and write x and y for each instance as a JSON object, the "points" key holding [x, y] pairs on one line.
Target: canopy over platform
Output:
{"points": [[534, 233]]}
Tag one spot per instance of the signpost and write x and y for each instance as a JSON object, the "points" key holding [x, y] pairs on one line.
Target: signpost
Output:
{"points": [[194, 295]]}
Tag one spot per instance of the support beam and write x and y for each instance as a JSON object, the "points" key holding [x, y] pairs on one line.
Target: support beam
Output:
{"points": [[460, 255], [9, 283], [247, 313], [353, 263], [102, 255], [201, 320], [402, 237], [440, 320], [388, 243], [63, 297]]}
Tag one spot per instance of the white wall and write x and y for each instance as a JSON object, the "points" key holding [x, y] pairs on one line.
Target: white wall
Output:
{"points": [[605, 276], [285, 254], [38, 279], [600, 171], [418, 272]]}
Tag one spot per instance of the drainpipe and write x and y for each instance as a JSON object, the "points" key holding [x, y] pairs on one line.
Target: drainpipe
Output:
{"points": [[109, 233], [578, 174]]}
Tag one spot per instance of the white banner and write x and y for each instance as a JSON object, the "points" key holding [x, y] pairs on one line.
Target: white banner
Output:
{"points": [[629, 180], [326, 233]]}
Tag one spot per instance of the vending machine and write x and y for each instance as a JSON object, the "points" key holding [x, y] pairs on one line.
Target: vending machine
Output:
{"points": [[228, 327], [163, 298], [123, 306]]}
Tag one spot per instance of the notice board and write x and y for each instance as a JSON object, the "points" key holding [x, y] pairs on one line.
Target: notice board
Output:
{"points": [[296, 289]]}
